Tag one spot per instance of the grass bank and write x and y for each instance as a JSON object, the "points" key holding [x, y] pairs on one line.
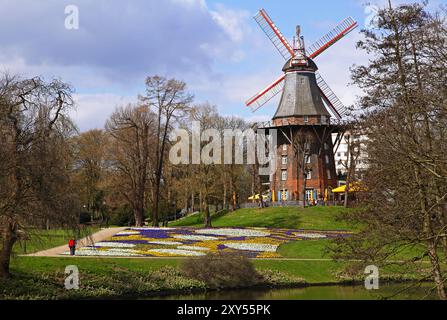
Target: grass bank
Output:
{"points": [[315, 218], [44, 278]]}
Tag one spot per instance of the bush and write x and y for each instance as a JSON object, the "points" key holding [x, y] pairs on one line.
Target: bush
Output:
{"points": [[122, 217], [85, 217], [222, 270]]}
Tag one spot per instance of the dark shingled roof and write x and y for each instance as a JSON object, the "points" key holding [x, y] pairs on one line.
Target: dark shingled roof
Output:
{"points": [[301, 95]]}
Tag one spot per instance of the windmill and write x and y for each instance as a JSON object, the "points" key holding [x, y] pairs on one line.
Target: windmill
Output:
{"points": [[307, 168]]}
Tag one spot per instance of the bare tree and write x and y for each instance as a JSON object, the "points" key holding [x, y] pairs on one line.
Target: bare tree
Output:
{"points": [[170, 100], [90, 151], [132, 137], [35, 186], [405, 120]]}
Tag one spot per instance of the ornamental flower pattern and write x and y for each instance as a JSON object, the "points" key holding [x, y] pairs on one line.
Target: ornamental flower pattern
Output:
{"points": [[187, 242]]}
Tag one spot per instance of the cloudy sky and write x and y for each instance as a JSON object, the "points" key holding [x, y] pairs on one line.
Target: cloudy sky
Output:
{"points": [[213, 45]]}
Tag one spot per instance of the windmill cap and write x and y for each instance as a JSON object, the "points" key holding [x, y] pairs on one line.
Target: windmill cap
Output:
{"points": [[292, 66]]}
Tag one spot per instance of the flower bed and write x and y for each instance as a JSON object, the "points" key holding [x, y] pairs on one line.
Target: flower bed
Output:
{"points": [[185, 242]]}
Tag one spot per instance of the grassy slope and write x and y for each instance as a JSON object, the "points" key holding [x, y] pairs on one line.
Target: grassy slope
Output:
{"points": [[311, 271], [319, 218], [43, 239]]}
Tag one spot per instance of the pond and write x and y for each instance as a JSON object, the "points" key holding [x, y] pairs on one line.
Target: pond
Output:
{"points": [[386, 291]]}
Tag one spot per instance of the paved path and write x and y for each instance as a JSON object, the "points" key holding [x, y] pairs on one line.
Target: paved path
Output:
{"points": [[96, 237]]}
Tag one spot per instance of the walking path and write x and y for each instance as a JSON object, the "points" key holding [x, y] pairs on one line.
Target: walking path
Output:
{"points": [[96, 237]]}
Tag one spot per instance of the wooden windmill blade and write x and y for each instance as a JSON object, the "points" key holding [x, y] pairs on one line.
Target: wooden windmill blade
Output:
{"points": [[332, 37], [273, 33], [264, 96], [337, 107]]}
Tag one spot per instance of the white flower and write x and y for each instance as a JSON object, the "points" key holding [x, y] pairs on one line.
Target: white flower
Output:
{"points": [[234, 232], [310, 235], [127, 233], [191, 237], [110, 252], [115, 244], [176, 252], [195, 248], [252, 246], [152, 228], [168, 243]]}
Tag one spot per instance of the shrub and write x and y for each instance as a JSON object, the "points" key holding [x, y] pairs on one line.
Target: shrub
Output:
{"points": [[85, 217], [122, 217], [221, 270]]}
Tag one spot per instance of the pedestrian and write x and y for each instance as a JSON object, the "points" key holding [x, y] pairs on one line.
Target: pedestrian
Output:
{"points": [[72, 246]]}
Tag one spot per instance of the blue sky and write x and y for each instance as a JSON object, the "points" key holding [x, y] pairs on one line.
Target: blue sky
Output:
{"points": [[213, 45]]}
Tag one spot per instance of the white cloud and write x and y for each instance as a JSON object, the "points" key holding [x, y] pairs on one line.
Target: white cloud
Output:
{"points": [[233, 22], [93, 110]]}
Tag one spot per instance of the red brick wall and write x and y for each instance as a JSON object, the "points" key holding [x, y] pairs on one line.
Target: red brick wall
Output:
{"points": [[294, 183]]}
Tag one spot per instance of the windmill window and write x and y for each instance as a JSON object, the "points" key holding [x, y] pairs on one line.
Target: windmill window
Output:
{"points": [[284, 160], [309, 175], [284, 175], [306, 119], [327, 159], [284, 147], [308, 159]]}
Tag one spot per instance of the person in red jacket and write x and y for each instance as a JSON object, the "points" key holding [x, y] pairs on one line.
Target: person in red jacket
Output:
{"points": [[72, 246]]}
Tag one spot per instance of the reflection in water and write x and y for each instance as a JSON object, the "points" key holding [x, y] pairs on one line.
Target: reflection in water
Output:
{"points": [[389, 291]]}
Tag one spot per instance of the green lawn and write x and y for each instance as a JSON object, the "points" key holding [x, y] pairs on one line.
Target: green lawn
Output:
{"points": [[310, 271], [308, 249], [46, 239], [317, 218]]}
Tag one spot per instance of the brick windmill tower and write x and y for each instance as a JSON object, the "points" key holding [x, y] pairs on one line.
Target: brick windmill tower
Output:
{"points": [[309, 113]]}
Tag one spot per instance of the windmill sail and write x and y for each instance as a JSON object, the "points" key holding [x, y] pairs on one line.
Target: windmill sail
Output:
{"points": [[330, 98], [264, 96], [275, 36], [332, 37]]}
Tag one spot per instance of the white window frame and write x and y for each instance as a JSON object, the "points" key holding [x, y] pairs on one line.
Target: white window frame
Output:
{"points": [[284, 160], [283, 175], [308, 159], [309, 194], [309, 175]]}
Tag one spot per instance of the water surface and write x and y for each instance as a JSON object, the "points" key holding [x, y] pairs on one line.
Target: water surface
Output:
{"points": [[388, 291]]}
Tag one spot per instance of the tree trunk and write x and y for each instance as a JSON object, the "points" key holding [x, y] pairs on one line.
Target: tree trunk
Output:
{"points": [[207, 215], [225, 206], [234, 201], [9, 239], [436, 271], [138, 217], [155, 205], [349, 171], [200, 202]]}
